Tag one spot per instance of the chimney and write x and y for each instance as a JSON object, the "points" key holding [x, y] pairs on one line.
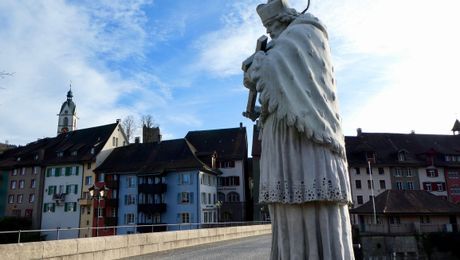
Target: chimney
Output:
{"points": [[359, 132], [412, 132], [118, 120], [137, 139], [241, 125], [214, 160]]}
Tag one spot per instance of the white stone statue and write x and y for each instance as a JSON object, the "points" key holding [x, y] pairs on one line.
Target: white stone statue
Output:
{"points": [[304, 172]]}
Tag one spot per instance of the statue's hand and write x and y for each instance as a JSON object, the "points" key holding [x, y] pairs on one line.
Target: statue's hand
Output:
{"points": [[248, 83]]}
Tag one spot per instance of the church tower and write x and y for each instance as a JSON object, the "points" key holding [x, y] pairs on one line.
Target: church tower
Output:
{"points": [[68, 115]]}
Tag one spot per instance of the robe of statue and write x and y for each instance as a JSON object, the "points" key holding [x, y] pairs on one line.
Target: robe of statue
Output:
{"points": [[304, 173]]}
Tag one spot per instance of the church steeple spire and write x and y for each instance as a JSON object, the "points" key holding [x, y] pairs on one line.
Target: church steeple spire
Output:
{"points": [[67, 115]]}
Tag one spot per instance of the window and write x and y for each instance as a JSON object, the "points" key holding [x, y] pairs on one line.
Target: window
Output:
{"points": [[88, 166], [51, 190], [229, 181], [129, 218], [101, 178], [67, 171], [23, 171], [410, 185], [370, 197], [367, 170], [31, 198], [395, 220], [425, 219], [453, 174], [409, 172], [221, 196], [382, 184], [130, 199], [113, 141], [21, 184], [33, 183], [100, 212], [440, 186], [427, 186], [184, 217], [36, 169], [203, 198], [401, 156], [10, 199], [74, 153], [227, 164], [369, 184], [455, 190], [398, 172], [233, 197], [60, 154], [185, 197], [184, 178], [209, 198], [88, 180], [131, 182], [359, 200], [70, 206], [113, 212], [381, 171], [357, 171], [399, 185], [13, 185], [19, 198], [28, 213], [15, 172], [358, 184], [431, 173]]}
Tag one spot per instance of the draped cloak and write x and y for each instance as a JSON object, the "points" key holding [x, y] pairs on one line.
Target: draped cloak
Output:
{"points": [[303, 150], [295, 78]]}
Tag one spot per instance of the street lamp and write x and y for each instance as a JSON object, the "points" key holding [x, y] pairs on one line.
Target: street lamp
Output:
{"points": [[98, 194], [218, 204]]}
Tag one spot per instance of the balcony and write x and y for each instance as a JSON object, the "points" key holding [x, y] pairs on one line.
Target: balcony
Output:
{"points": [[152, 188], [59, 198], [85, 202], [152, 208]]}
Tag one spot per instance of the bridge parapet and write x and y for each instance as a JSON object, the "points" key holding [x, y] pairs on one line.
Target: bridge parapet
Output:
{"points": [[120, 246]]}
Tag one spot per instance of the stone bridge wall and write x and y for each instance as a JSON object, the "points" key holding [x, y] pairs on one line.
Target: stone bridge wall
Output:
{"points": [[115, 247]]}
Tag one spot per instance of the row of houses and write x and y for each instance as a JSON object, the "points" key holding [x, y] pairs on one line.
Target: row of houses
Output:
{"points": [[197, 179], [58, 182]]}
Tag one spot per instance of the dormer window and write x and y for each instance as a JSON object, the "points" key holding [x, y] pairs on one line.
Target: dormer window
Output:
{"points": [[370, 157], [18, 159], [36, 157], [74, 153], [402, 156], [60, 154], [92, 150]]}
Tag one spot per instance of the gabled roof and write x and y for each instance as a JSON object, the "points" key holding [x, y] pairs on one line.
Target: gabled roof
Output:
{"points": [[81, 141], [168, 155], [456, 126], [408, 202], [230, 143], [386, 146], [30, 154]]}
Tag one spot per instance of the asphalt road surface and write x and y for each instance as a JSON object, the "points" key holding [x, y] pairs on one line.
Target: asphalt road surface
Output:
{"points": [[257, 247]]}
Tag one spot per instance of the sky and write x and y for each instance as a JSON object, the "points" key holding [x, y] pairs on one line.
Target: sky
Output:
{"points": [[396, 63]]}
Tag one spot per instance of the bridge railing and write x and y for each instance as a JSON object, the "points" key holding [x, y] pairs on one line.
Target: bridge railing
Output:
{"points": [[73, 232]]}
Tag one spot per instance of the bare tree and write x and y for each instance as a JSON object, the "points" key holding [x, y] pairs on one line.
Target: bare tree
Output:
{"points": [[3, 74], [129, 125], [148, 121]]}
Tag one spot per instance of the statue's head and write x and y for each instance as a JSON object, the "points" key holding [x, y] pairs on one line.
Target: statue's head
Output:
{"points": [[276, 16]]}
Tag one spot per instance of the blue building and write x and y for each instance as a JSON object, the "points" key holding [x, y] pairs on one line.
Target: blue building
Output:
{"points": [[159, 183]]}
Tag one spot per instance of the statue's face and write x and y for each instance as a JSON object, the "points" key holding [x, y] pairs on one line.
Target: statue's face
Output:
{"points": [[274, 28]]}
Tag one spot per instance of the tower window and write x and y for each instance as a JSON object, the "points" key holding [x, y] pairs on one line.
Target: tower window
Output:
{"points": [[66, 121]]}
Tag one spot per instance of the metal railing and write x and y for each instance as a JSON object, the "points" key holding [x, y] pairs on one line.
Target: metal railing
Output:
{"points": [[407, 228], [62, 233]]}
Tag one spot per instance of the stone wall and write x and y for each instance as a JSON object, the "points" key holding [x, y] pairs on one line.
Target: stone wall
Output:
{"points": [[115, 247]]}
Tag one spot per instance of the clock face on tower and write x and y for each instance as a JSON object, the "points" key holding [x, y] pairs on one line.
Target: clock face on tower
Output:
{"points": [[64, 130]]}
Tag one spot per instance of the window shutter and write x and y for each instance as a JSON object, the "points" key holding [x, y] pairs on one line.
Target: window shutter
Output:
{"points": [[74, 206], [76, 170], [191, 197], [48, 172], [67, 189], [191, 176], [178, 178], [179, 198], [75, 189], [49, 190], [45, 207], [57, 172], [178, 219], [66, 206], [68, 171], [53, 207]]}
